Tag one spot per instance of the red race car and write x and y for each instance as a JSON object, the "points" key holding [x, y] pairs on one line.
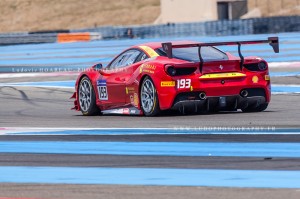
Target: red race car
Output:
{"points": [[188, 76]]}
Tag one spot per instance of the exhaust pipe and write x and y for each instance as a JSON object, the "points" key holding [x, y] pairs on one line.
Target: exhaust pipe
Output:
{"points": [[202, 96], [244, 93]]}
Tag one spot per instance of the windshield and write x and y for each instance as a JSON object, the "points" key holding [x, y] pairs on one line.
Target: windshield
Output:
{"points": [[191, 54]]}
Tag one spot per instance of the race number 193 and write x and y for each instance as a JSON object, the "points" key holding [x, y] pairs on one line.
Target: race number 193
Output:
{"points": [[184, 83]]}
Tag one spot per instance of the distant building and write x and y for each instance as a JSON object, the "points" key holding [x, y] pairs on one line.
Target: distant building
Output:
{"points": [[268, 8], [180, 11]]}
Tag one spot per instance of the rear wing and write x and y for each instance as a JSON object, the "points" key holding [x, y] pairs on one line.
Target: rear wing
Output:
{"points": [[272, 41]]}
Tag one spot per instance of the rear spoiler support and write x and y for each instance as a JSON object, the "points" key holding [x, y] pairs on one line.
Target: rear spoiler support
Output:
{"points": [[201, 59], [272, 41], [240, 55]]}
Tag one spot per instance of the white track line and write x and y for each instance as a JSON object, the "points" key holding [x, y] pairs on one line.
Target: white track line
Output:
{"points": [[284, 64], [18, 75], [149, 131]]}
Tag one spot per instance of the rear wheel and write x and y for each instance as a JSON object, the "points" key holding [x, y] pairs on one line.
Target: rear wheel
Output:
{"points": [[87, 98], [259, 108], [148, 97]]}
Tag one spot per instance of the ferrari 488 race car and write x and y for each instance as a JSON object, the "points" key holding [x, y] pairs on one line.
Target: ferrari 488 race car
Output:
{"points": [[188, 76]]}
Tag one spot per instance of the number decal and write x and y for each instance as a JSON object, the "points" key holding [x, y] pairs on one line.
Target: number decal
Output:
{"points": [[184, 83], [102, 89]]}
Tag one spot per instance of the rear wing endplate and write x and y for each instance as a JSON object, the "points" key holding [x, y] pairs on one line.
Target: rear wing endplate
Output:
{"points": [[272, 41]]}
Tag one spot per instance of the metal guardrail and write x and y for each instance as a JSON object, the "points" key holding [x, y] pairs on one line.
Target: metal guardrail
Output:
{"points": [[26, 38], [276, 24], [210, 28]]}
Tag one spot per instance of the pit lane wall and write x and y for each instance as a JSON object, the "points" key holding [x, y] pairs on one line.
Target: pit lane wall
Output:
{"points": [[209, 28]]}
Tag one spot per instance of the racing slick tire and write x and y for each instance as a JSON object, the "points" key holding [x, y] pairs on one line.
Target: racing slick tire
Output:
{"points": [[259, 108], [148, 98], [87, 98]]}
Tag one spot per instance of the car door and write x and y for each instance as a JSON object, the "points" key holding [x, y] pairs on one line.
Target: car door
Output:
{"points": [[115, 77]]}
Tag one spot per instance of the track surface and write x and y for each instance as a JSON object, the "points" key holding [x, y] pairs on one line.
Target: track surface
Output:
{"points": [[50, 107], [132, 192]]}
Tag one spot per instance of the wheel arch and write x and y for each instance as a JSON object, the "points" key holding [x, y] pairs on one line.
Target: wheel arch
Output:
{"points": [[155, 87], [141, 81], [95, 110], [90, 78]]}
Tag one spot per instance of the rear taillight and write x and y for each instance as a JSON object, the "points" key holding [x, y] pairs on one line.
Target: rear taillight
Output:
{"points": [[170, 70], [177, 71], [260, 66]]}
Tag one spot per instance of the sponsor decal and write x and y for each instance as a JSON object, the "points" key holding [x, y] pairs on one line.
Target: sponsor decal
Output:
{"points": [[221, 67], [255, 79], [101, 82], [125, 110], [132, 111], [136, 100], [141, 68], [131, 99], [267, 77], [148, 71], [102, 89], [167, 83], [184, 83], [129, 90], [221, 75], [149, 51], [113, 111], [147, 68]]}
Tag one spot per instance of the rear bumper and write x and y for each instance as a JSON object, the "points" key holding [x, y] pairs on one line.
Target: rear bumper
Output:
{"points": [[216, 88], [222, 103]]}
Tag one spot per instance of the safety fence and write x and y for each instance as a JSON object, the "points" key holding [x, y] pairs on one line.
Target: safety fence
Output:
{"points": [[210, 28]]}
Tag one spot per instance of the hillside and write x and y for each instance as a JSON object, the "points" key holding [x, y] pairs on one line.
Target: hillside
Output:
{"points": [[34, 15], [276, 8]]}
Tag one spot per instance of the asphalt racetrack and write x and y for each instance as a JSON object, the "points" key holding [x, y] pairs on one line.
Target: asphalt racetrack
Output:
{"points": [[48, 150], [51, 107]]}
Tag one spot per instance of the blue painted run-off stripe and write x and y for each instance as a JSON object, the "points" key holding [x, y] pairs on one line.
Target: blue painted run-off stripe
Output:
{"points": [[286, 89], [151, 176], [156, 148], [63, 84]]}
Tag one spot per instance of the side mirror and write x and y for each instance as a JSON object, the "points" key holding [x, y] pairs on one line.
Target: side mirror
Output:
{"points": [[98, 67]]}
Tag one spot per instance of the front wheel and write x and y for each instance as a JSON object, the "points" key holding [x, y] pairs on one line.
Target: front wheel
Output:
{"points": [[87, 98], [149, 99]]}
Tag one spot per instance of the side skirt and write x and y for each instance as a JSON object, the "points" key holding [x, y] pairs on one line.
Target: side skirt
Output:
{"points": [[123, 111]]}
